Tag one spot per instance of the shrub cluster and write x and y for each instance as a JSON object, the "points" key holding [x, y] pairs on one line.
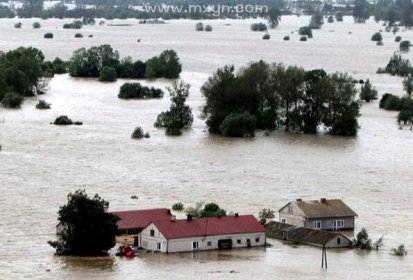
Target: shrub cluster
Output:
{"points": [[259, 27], [137, 91], [138, 133], [77, 24], [42, 105], [36, 25], [368, 92], [48, 35], [306, 31], [405, 46], [397, 65], [377, 37]]}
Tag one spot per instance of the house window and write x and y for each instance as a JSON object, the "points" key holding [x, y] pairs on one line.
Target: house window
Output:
{"points": [[209, 243], [195, 245], [257, 239], [238, 241], [152, 232], [290, 208], [283, 220], [158, 246], [338, 223], [338, 241], [317, 224]]}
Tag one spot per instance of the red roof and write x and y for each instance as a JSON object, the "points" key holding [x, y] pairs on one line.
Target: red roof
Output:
{"points": [[209, 226], [134, 219]]}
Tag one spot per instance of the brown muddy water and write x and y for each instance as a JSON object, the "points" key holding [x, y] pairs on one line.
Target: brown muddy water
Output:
{"points": [[41, 163]]}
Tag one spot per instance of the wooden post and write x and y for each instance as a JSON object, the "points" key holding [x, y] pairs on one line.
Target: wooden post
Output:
{"points": [[322, 257]]}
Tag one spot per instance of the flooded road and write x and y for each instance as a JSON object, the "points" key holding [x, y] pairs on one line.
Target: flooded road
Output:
{"points": [[40, 163]]}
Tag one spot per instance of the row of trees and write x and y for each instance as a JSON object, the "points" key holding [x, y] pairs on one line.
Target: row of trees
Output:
{"points": [[271, 96], [90, 62]]}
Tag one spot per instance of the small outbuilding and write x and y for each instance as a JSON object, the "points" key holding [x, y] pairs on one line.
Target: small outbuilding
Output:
{"points": [[307, 236]]}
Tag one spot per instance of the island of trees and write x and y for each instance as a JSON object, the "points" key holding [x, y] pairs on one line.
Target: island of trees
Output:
{"points": [[90, 63], [274, 96]]}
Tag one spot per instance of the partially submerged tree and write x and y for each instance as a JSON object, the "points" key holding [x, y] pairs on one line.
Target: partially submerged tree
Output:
{"points": [[274, 17], [368, 92], [179, 115], [399, 251], [88, 229], [377, 37], [405, 46], [408, 84], [266, 214], [364, 242], [361, 11]]}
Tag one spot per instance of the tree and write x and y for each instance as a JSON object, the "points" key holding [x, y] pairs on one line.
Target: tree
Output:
{"points": [[408, 84], [179, 115], [377, 37], [212, 210], [361, 11], [170, 65], [316, 20], [305, 31], [12, 100], [107, 74], [137, 91], [405, 46], [368, 92], [339, 16], [238, 125], [274, 17], [266, 214], [364, 242], [88, 229], [399, 251], [36, 25]]}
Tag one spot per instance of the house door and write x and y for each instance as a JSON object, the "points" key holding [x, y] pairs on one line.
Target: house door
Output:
{"points": [[224, 244]]}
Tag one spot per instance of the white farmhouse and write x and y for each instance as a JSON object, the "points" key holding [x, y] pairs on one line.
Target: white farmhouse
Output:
{"points": [[195, 234]]}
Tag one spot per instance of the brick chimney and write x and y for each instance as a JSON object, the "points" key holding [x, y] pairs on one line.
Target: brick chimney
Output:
{"points": [[323, 200], [299, 200]]}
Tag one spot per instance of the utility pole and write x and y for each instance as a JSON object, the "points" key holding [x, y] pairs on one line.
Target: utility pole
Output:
{"points": [[324, 256]]}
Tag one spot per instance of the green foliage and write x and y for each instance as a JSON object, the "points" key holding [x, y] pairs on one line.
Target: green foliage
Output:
{"points": [[266, 36], [212, 210], [399, 251], [18, 25], [59, 66], [78, 35], [364, 242], [377, 37], [361, 11], [278, 96], [90, 62], [179, 115], [339, 16], [266, 214], [77, 24], [138, 133], [208, 28], [397, 66], [398, 39], [36, 25], [48, 35], [259, 27], [306, 31], [107, 74], [63, 120], [137, 91], [12, 100], [127, 68], [368, 92], [286, 38], [238, 125], [405, 116], [179, 207], [88, 21], [42, 105], [303, 38], [408, 84], [330, 19], [88, 229], [316, 20], [166, 65], [274, 17], [405, 46], [199, 26], [20, 73]]}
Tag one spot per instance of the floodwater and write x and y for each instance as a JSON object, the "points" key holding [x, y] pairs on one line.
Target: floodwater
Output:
{"points": [[40, 163]]}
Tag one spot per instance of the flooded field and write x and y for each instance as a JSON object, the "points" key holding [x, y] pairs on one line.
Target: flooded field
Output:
{"points": [[41, 163]]}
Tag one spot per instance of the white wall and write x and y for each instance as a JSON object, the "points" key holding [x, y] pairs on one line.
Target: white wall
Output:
{"points": [[149, 242], [295, 218]]}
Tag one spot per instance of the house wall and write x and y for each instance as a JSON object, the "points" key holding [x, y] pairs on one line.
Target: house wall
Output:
{"points": [[185, 244], [328, 223], [149, 242], [294, 218], [344, 242]]}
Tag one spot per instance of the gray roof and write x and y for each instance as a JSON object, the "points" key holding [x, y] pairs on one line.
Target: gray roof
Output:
{"points": [[301, 234], [329, 208]]}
